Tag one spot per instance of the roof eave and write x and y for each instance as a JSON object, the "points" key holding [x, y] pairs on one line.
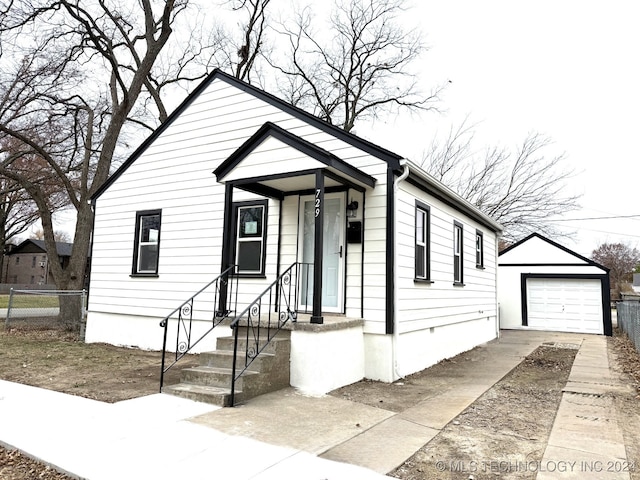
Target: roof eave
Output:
{"points": [[464, 205]]}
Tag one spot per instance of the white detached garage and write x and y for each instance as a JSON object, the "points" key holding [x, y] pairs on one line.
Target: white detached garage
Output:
{"points": [[543, 285]]}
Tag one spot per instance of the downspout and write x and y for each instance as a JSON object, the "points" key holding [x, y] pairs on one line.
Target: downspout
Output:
{"points": [[396, 335], [497, 250], [90, 259]]}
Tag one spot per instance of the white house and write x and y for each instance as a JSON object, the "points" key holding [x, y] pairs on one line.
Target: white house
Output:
{"points": [[545, 286], [394, 270]]}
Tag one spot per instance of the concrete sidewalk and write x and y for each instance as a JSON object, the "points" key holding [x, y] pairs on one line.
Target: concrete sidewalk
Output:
{"points": [[147, 437], [371, 437], [280, 435], [586, 440]]}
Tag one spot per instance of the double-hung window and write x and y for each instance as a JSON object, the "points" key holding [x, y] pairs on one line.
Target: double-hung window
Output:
{"points": [[251, 235], [422, 253], [147, 243], [458, 253], [479, 249]]}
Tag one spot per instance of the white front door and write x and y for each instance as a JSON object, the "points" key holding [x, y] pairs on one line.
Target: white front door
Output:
{"points": [[332, 252]]}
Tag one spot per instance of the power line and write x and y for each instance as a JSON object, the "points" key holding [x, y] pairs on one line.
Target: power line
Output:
{"points": [[612, 217], [604, 231]]}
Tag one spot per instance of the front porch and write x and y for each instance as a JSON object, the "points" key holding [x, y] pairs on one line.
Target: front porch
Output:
{"points": [[313, 358], [320, 225]]}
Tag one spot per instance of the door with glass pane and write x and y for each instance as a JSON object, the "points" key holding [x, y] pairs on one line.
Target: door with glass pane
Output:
{"points": [[332, 252]]}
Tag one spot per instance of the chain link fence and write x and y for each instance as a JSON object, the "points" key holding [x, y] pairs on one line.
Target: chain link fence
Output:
{"points": [[46, 309], [629, 321]]}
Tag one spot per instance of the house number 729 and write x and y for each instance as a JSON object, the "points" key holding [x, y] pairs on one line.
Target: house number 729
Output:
{"points": [[317, 202]]}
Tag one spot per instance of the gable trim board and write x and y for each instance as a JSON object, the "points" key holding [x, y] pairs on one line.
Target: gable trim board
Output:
{"points": [[576, 297], [271, 130]]}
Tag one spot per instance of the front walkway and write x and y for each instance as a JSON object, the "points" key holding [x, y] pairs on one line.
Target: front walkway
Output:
{"points": [[288, 435], [374, 438], [586, 440]]}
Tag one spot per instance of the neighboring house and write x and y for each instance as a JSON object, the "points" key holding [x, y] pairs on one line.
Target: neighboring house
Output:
{"points": [[543, 285], [28, 263], [398, 272], [636, 282]]}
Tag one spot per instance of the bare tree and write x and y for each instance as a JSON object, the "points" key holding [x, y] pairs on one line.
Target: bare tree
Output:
{"points": [[17, 213], [74, 75], [61, 236], [620, 259], [251, 46], [355, 69], [521, 189]]}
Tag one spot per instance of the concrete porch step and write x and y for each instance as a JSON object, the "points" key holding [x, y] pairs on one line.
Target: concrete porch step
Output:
{"points": [[214, 395], [224, 359], [213, 376], [211, 381], [279, 343]]}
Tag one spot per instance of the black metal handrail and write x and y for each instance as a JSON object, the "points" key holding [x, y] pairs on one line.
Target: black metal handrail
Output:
{"points": [[265, 317], [222, 293]]}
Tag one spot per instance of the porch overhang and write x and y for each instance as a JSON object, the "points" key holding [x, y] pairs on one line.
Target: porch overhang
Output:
{"points": [[276, 163]]}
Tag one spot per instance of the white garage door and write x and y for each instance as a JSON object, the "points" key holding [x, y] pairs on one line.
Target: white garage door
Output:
{"points": [[563, 304]]}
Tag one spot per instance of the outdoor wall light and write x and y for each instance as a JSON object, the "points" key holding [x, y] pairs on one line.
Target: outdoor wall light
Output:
{"points": [[352, 209]]}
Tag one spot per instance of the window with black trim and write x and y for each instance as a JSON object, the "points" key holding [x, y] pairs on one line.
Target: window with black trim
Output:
{"points": [[250, 237], [479, 249], [422, 246], [458, 253], [146, 251]]}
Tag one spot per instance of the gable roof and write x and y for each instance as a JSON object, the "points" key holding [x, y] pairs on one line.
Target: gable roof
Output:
{"points": [[271, 130], [586, 260], [391, 158], [63, 249]]}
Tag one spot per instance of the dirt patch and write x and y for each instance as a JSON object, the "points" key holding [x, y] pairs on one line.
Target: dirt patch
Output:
{"points": [[16, 466], [414, 388], [57, 360], [507, 426]]}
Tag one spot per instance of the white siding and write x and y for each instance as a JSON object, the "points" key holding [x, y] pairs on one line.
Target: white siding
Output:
{"points": [[424, 305], [540, 250], [174, 174], [272, 157], [375, 256], [354, 265]]}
